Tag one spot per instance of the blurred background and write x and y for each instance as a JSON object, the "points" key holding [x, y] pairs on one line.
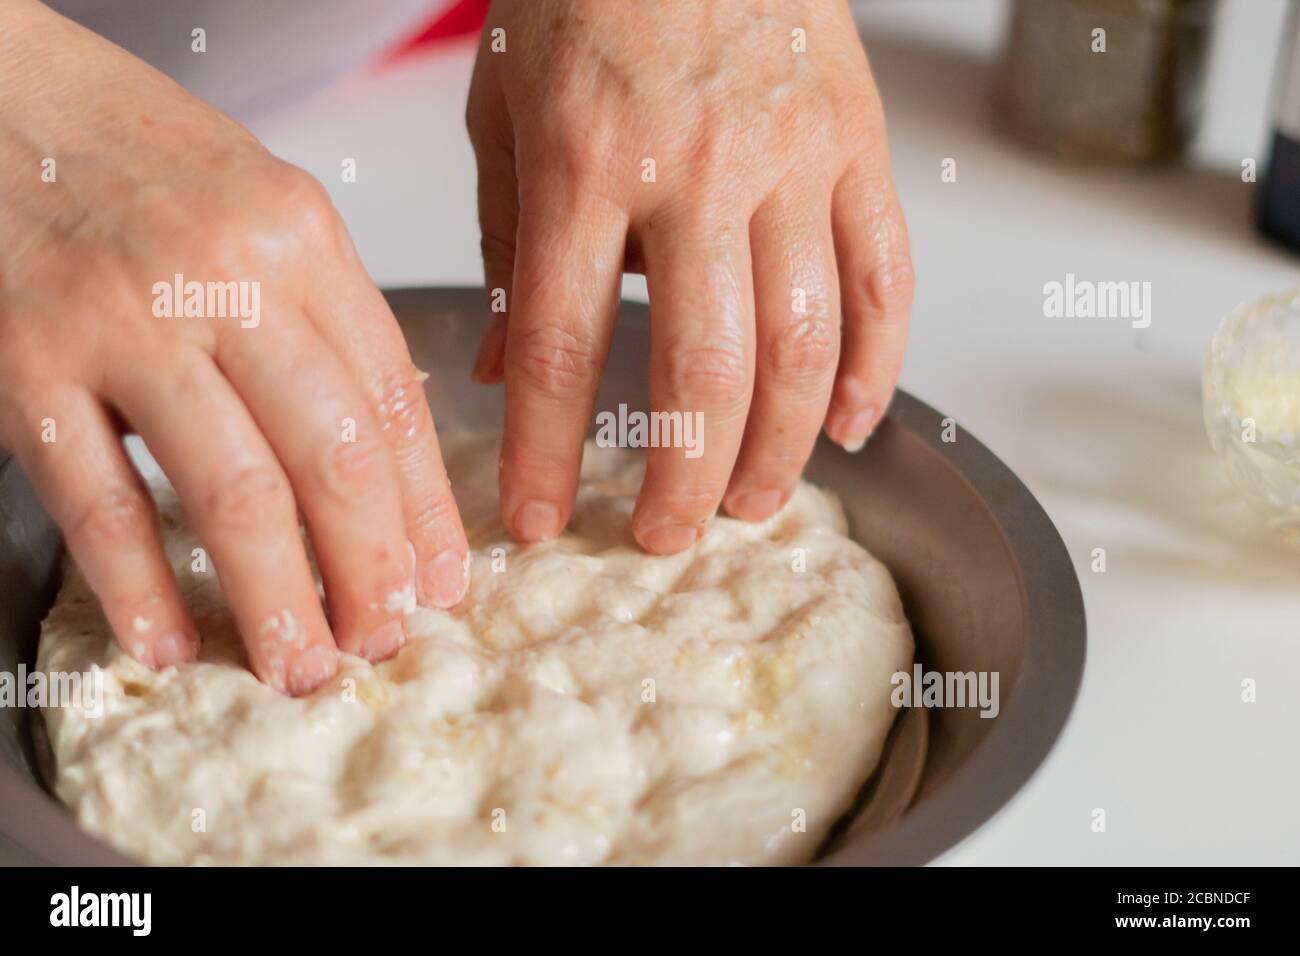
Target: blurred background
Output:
{"points": [[1123, 167]]}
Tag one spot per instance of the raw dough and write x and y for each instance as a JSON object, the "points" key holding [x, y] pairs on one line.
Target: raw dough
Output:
{"points": [[585, 704]]}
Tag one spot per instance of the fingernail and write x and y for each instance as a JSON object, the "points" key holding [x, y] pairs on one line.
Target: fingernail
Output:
{"points": [[445, 580], [754, 505], [670, 539], [174, 648], [311, 669], [854, 432], [537, 521], [383, 643]]}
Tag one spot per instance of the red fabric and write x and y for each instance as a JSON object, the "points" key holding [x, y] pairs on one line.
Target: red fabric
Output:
{"points": [[462, 17]]}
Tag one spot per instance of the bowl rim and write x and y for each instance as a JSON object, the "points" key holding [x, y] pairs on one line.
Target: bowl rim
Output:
{"points": [[1011, 752], [1051, 671]]}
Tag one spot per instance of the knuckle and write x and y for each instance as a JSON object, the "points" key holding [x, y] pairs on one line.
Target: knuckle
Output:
{"points": [[298, 189], [305, 204], [581, 149], [708, 374], [292, 210], [558, 362], [224, 244], [890, 283], [711, 147], [101, 278], [118, 517], [250, 499], [805, 350], [706, 206], [856, 121], [403, 414], [349, 469]]}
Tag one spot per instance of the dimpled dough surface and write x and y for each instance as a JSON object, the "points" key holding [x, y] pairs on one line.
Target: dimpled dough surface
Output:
{"points": [[586, 703]]}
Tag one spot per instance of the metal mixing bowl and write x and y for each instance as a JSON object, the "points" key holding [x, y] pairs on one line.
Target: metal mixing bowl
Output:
{"points": [[984, 576]]}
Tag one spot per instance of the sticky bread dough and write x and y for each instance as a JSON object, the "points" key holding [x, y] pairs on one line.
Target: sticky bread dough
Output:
{"points": [[585, 704]]}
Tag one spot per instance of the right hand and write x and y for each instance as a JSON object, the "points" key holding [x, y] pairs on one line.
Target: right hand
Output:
{"points": [[771, 215], [246, 417]]}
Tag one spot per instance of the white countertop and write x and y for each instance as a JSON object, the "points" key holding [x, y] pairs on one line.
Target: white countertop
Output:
{"points": [[1102, 421]]}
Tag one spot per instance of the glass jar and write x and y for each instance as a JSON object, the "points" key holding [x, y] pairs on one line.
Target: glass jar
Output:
{"points": [[1251, 398], [1106, 80]]}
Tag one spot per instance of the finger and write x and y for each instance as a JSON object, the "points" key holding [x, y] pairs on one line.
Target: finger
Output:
{"points": [[110, 524], [360, 329], [238, 500], [489, 362], [701, 374], [567, 279], [498, 208], [498, 215], [796, 298], [876, 283], [342, 473]]}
